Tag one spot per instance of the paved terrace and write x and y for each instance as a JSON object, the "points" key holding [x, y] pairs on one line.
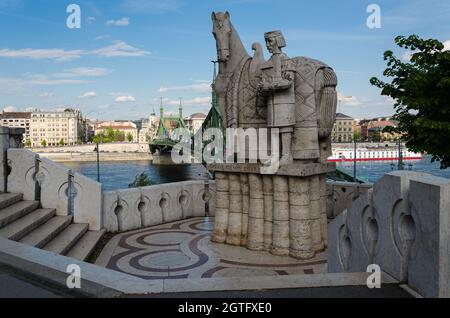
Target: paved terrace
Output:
{"points": [[183, 249]]}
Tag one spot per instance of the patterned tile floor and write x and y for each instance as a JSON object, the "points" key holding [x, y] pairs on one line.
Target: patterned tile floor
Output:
{"points": [[183, 250]]}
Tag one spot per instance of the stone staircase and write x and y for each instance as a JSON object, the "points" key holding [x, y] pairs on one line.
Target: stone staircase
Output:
{"points": [[25, 222]]}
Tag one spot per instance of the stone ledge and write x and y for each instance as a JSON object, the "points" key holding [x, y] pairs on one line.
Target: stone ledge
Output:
{"points": [[101, 282], [294, 170]]}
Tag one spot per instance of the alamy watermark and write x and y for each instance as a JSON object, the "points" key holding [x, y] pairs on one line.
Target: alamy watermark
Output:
{"points": [[73, 281], [374, 19], [374, 279]]}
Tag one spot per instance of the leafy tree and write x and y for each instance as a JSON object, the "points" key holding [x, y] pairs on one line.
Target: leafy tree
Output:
{"points": [[141, 180], [44, 143], [357, 135], [130, 137], [376, 136], [421, 90], [61, 142], [28, 143], [119, 136]]}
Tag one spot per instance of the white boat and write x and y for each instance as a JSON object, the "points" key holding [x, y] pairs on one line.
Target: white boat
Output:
{"points": [[372, 154]]}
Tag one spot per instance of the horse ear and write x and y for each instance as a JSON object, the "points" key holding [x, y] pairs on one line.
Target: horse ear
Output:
{"points": [[227, 15], [213, 16]]}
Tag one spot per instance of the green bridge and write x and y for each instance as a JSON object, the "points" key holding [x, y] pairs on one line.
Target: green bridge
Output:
{"points": [[163, 142]]}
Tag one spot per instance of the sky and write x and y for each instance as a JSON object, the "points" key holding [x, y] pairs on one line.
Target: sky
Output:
{"points": [[129, 53]]}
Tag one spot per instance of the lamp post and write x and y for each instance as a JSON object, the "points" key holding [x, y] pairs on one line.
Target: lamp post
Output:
{"points": [[96, 149]]}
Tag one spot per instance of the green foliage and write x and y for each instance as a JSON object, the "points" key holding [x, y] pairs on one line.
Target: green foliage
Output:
{"points": [[129, 137], [109, 135], [28, 143], [44, 143], [376, 136], [421, 90], [357, 136], [141, 180], [61, 142]]}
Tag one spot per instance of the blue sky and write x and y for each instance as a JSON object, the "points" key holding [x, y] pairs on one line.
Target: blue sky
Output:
{"points": [[128, 53]]}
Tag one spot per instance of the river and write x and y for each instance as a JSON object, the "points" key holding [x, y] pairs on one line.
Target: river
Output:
{"points": [[118, 174]]}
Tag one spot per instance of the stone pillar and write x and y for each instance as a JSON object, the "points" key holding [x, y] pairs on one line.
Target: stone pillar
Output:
{"points": [[222, 208], [280, 234], [255, 231], [315, 213], [245, 207], [323, 208], [268, 211], [4, 145], [235, 213], [300, 235]]}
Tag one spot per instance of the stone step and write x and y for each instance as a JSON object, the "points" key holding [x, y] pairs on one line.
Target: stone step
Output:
{"points": [[85, 246], [16, 211], [21, 227], [7, 199], [46, 232], [64, 241]]}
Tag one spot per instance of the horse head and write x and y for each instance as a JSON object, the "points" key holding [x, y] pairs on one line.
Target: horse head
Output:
{"points": [[222, 33]]}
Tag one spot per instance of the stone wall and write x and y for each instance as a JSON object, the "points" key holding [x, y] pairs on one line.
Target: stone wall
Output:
{"points": [[403, 226], [109, 147], [130, 209]]}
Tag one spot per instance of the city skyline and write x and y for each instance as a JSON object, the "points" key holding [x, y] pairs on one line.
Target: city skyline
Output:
{"points": [[128, 53]]}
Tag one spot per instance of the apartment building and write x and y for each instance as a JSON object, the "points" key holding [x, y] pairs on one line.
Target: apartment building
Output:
{"points": [[195, 122], [17, 120], [127, 127], [343, 128], [53, 128]]}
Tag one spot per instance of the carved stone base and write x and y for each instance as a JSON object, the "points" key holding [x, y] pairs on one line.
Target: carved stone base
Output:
{"points": [[281, 214]]}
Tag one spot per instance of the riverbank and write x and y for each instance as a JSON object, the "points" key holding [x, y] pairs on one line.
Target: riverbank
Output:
{"points": [[92, 156]]}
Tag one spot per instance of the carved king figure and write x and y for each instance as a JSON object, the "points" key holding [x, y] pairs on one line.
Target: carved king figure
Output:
{"points": [[277, 84]]}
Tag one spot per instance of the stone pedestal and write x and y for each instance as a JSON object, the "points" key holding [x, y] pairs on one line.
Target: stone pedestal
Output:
{"points": [[284, 213]]}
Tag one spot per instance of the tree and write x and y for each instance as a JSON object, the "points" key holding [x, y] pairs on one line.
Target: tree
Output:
{"points": [[141, 180], [28, 143], [357, 135], [44, 143], [130, 137], [61, 142], [420, 89]]}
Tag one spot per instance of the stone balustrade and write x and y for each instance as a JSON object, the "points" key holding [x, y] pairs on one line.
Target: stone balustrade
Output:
{"points": [[342, 194], [135, 208], [402, 225], [55, 187]]}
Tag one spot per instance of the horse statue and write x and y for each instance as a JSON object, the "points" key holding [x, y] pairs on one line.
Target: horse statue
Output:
{"points": [[241, 106]]}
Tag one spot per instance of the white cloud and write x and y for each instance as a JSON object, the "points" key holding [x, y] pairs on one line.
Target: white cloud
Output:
{"points": [[120, 22], [59, 55], [101, 37], [47, 95], [120, 48], [447, 45], [349, 100], [84, 71], [88, 95], [196, 101], [125, 99], [116, 49], [198, 86], [91, 20], [9, 109]]}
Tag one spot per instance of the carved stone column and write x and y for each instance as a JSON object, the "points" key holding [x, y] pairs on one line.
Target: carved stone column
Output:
{"points": [[255, 231], [222, 208], [316, 223], [245, 207], [323, 208], [235, 213], [268, 211], [280, 234], [300, 223]]}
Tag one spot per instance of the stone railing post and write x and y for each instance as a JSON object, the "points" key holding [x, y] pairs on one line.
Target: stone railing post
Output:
{"points": [[9, 138]]}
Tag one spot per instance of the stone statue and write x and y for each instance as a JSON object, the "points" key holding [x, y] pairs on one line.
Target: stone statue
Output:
{"points": [[277, 83], [283, 212]]}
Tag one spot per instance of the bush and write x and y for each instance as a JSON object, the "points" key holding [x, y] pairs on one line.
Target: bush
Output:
{"points": [[141, 180]]}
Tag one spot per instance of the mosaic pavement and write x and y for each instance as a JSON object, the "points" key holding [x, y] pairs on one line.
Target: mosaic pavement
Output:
{"points": [[183, 250]]}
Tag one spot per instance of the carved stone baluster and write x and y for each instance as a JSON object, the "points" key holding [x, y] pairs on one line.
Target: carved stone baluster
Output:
{"points": [[300, 235], [245, 207], [316, 223], [222, 208], [268, 211], [235, 214], [255, 231], [280, 234]]}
